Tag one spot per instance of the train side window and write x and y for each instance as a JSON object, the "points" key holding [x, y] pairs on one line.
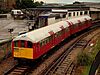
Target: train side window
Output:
{"points": [[16, 43], [83, 23], [63, 30], [59, 33], [29, 44], [44, 41], [22, 43], [50, 38], [66, 30], [40, 43]]}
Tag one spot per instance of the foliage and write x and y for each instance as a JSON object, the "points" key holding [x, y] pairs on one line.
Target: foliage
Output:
{"points": [[83, 59], [22, 4], [3, 11], [98, 45], [93, 54], [38, 3]]}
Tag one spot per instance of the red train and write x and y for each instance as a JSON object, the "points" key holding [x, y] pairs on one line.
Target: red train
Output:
{"points": [[36, 43]]}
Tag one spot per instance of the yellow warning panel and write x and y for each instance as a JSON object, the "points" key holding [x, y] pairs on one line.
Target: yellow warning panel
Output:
{"points": [[23, 53]]}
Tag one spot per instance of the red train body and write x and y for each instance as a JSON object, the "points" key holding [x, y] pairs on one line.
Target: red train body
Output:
{"points": [[36, 43]]}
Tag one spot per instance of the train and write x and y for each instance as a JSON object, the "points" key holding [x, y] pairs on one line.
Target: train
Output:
{"points": [[32, 45]]}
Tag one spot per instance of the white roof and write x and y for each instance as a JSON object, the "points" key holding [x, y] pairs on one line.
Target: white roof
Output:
{"points": [[39, 34], [82, 18]]}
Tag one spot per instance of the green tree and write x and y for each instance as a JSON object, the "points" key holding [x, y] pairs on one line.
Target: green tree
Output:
{"points": [[83, 59], [24, 4], [38, 3], [20, 4]]}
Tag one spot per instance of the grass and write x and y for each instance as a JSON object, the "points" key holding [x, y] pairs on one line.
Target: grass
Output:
{"points": [[86, 70], [93, 54]]}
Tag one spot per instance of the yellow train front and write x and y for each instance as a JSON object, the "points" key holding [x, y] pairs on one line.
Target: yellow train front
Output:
{"points": [[22, 49]]}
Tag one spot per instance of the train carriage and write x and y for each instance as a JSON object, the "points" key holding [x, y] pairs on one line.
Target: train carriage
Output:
{"points": [[79, 23], [35, 43], [41, 40]]}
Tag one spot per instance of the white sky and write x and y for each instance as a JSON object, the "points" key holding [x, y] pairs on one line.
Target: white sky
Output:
{"points": [[67, 1]]}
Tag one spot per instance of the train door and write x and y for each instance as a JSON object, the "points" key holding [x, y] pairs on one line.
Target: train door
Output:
{"points": [[70, 27], [52, 37], [62, 32]]}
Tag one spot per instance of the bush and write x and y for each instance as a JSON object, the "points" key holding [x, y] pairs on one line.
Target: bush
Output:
{"points": [[84, 59]]}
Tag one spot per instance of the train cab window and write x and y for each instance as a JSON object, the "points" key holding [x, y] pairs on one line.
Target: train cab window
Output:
{"points": [[16, 43], [22, 43], [29, 44]]}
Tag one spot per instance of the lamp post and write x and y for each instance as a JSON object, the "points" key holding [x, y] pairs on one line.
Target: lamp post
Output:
{"points": [[10, 31]]}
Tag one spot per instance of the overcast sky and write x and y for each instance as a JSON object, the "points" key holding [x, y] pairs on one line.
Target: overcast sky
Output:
{"points": [[67, 1]]}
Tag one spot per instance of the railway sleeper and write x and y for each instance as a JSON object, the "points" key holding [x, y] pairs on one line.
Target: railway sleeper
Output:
{"points": [[15, 73], [63, 70], [70, 70]]}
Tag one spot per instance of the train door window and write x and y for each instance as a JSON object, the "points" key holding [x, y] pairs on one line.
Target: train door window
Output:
{"points": [[69, 14], [16, 43], [29, 44], [22, 43]]}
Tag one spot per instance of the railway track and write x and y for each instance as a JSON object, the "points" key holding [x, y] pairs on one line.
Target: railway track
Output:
{"points": [[65, 65], [18, 70], [61, 63]]}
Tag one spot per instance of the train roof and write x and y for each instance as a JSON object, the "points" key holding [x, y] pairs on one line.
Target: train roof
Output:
{"points": [[81, 19], [39, 34]]}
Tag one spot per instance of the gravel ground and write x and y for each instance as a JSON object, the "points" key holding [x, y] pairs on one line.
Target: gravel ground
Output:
{"points": [[17, 25], [6, 65]]}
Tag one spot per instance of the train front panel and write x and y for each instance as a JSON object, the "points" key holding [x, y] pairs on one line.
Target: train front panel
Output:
{"points": [[22, 49]]}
